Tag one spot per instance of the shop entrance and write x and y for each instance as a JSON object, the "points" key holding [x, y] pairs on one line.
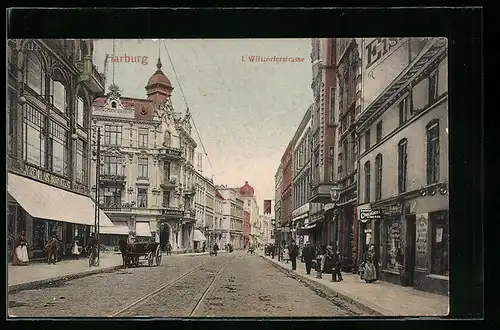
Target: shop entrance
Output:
{"points": [[164, 237], [410, 250]]}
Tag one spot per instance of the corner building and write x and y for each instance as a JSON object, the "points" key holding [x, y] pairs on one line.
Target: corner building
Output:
{"points": [[51, 84], [403, 161]]}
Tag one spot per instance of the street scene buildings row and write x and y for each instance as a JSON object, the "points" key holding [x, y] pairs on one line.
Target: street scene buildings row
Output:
{"points": [[378, 132], [149, 178]]}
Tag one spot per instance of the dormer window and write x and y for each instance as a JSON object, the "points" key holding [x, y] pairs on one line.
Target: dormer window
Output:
{"points": [[113, 104]]}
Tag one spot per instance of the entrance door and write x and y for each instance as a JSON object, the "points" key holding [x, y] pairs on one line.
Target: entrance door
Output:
{"points": [[410, 250], [164, 236]]}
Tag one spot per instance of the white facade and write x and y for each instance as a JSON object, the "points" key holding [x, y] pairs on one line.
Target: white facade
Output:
{"points": [[204, 201], [232, 217], [266, 228]]}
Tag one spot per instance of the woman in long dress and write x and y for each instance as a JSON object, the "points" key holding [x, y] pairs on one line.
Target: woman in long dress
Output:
{"points": [[369, 270], [286, 255], [21, 257], [75, 250]]}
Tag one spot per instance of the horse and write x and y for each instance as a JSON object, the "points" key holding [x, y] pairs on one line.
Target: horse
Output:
{"points": [[123, 246]]}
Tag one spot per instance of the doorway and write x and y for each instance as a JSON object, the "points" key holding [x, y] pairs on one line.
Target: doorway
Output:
{"points": [[409, 263], [164, 236]]}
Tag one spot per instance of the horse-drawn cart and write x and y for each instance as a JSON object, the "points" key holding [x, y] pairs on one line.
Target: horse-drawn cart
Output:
{"points": [[149, 251]]}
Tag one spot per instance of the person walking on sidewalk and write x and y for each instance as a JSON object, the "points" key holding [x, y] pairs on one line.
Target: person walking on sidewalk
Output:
{"points": [[169, 249], [294, 253], [272, 250], [52, 247], [338, 266], [308, 255], [215, 249], [368, 265], [21, 257], [75, 250], [320, 261]]}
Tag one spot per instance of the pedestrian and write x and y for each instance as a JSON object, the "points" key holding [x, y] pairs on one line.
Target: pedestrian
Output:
{"points": [[21, 257], [293, 254], [169, 249], [308, 255], [368, 265], [52, 247], [286, 255], [215, 249], [338, 266], [272, 250], [75, 250], [320, 261], [329, 259]]}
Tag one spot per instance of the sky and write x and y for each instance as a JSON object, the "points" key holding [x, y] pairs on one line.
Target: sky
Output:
{"points": [[246, 112]]}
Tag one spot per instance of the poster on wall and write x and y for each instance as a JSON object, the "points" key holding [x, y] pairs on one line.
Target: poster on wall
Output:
{"points": [[421, 240], [439, 235]]}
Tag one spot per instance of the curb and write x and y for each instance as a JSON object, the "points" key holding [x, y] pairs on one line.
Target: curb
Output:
{"points": [[55, 280], [365, 306]]}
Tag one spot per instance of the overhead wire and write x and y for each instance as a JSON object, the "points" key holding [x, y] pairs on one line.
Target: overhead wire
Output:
{"points": [[187, 106]]}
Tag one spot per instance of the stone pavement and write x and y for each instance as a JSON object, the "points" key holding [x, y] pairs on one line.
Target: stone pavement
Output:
{"points": [[381, 297]]}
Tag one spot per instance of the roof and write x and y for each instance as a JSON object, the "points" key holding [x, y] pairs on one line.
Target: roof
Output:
{"points": [[218, 195], [159, 78], [143, 108], [246, 190]]}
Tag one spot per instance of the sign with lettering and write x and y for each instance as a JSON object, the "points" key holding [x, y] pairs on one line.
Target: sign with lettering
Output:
{"points": [[47, 177], [383, 59], [421, 240], [369, 214]]}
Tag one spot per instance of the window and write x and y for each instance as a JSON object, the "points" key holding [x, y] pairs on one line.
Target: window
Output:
{"points": [[142, 197], [11, 114], [379, 131], [345, 152], [35, 77], [367, 182], [113, 104], [332, 164], [378, 177], [166, 198], [58, 149], [112, 165], [367, 140], [34, 137], [143, 137], [80, 112], [142, 168], [404, 107], [440, 239], [433, 152], [402, 165], [332, 106], [81, 161], [58, 94], [433, 90], [166, 170], [393, 244], [112, 135], [345, 92], [111, 196]]}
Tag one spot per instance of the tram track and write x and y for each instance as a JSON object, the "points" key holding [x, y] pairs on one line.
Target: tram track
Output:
{"points": [[149, 308]]}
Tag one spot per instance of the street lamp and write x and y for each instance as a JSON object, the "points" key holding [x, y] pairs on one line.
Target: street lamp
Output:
{"points": [[97, 182], [335, 196]]}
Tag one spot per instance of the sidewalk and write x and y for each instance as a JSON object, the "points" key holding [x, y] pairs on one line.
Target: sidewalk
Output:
{"points": [[381, 298]]}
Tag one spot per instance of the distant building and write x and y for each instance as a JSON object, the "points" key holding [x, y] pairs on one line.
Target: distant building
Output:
{"points": [[266, 228], [232, 216], [205, 211], [251, 206]]}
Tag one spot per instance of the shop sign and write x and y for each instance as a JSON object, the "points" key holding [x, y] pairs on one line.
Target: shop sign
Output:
{"points": [[47, 177], [369, 214], [393, 210], [421, 240]]}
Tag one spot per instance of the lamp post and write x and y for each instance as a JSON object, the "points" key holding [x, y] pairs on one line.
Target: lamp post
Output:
{"points": [[97, 182], [335, 196]]}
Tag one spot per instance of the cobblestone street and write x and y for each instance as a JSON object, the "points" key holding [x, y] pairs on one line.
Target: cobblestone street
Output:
{"points": [[233, 284]]}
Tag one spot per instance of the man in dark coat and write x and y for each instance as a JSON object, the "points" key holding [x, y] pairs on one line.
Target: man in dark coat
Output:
{"points": [[293, 254], [308, 255], [52, 247]]}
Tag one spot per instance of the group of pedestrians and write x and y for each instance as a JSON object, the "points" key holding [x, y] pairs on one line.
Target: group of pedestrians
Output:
{"points": [[325, 259]]}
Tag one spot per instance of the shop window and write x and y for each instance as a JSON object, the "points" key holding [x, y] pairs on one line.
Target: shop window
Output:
{"points": [[440, 242], [34, 137], [58, 149], [35, 76], [393, 245], [81, 161], [58, 93], [39, 234]]}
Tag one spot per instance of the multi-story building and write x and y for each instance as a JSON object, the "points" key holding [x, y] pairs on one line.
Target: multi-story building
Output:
{"points": [[251, 206], [403, 162], [218, 230], [51, 85], [147, 174], [286, 194], [232, 216], [323, 130], [278, 206], [266, 228], [301, 177], [205, 210], [247, 229]]}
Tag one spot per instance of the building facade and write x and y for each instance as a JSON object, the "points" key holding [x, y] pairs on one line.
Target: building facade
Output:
{"points": [[232, 216], [151, 192], [301, 179], [287, 194], [403, 162], [51, 85], [247, 193], [278, 205], [323, 139], [218, 230], [266, 228], [205, 211]]}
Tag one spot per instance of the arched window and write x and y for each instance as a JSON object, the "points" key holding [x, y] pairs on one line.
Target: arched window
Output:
{"points": [[35, 74], [378, 177], [81, 112], [58, 91]]}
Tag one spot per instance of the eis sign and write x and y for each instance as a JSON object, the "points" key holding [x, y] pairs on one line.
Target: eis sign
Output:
{"points": [[379, 48]]}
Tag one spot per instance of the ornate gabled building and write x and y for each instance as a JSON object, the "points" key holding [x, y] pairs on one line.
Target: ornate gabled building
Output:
{"points": [[147, 173], [251, 206], [51, 84]]}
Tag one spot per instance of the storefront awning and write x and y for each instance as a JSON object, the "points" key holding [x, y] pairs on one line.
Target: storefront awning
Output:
{"points": [[198, 236], [305, 230], [51, 203], [115, 230], [142, 229]]}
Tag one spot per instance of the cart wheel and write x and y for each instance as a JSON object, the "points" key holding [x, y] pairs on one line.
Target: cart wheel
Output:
{"points": [[150, 259], [158, 256]]}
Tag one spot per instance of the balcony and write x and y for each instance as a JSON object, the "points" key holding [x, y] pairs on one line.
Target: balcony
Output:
{"points": [[169, 184], [169, 153], [113, 178], [170, 212], [320, 193], [189, 191], [90, 76], [116, 207]]}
